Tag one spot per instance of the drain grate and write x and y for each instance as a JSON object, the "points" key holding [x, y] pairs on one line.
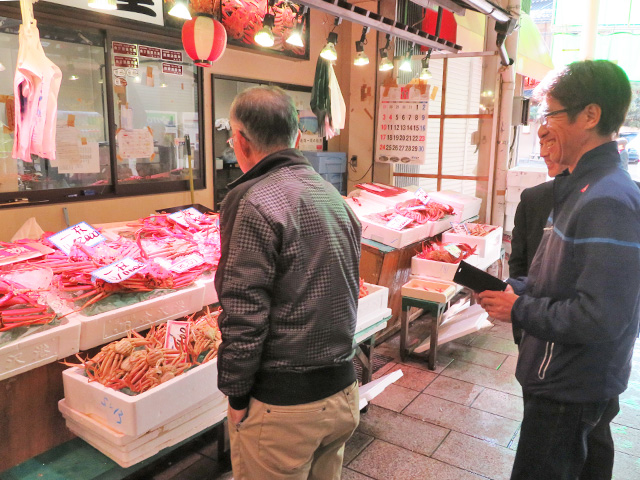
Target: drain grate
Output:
{"points": [[379, 361]]}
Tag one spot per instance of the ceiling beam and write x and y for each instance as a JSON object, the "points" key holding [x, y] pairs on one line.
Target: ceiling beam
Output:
{"points": [[382, 24], [447, 4]]}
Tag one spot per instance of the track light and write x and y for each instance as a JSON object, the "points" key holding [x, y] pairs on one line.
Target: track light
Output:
{"points": [[295, 38], [264, 37], [385, 63], [329, 50], [361, 57], [180, 10], [425, 74], [103, 4], [405, 64]]}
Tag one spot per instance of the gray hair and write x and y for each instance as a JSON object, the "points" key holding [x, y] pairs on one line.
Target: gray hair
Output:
{"points": [[268, 115]]}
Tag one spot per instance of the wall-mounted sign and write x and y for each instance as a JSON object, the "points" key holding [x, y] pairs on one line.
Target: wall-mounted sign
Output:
{"points": [[171, 55], [172, 68], [402, 124], [150, 52], [126, 62], [148, 11], [120, 48]]}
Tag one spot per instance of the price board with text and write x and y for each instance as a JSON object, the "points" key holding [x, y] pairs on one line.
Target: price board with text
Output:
{"points": [[402, 125]]}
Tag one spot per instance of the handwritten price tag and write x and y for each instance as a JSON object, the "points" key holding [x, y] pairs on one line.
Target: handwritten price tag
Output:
{"points": [[191, 213], [187, 263], [398, 222], [453, 250], [14, 250], [177, 335], [118, 271], [82, 233], [422, 196]]}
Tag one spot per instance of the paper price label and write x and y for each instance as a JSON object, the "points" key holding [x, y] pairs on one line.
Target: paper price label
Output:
{"points": [[187, 263], [81, 233], [422, 196], [13, 250], [459, 228], [453, 250], [191, 213], [177, 335], [398, 222], [118, 271]]}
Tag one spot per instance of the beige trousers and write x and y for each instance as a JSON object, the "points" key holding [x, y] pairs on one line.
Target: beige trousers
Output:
{"points": [[297, 442]]}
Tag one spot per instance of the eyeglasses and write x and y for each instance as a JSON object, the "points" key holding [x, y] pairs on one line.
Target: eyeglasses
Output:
{"points": [[230, 139], [543, 117]]}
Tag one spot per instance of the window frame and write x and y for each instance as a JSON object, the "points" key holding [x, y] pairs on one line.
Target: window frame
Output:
{"points": [[110, 28]]}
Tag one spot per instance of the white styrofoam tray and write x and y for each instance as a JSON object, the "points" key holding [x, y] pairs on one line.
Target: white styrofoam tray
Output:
{"points": [[465, 206], [431, 268], [376, 230], [387, 201], [125, 456], [216, 404], [371, 390], [432, 290], [135, 415], [106, 327], [40, 348], [371, 318], [488, 246], [376, 300], [525, 177], [208, 283]]}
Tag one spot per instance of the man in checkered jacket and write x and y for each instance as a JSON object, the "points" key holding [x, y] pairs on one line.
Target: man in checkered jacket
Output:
{"points": [[288, 284]]}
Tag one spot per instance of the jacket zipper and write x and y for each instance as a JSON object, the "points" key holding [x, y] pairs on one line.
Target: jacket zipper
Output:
{"points": [[548, 354]]}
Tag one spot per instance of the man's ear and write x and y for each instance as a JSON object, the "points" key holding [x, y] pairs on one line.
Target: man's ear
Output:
{"points": [[245, 145], [592, 113], [298, 138]]}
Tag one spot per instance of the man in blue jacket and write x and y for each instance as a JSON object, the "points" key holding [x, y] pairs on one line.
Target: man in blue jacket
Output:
{"points": [[579, 309]]}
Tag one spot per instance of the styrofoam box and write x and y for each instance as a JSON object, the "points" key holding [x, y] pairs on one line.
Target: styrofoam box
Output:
{"points": [[432, 268], [400, 238], [140, 450], [40, 348], [215, 404], [510, 208], [525, 177], [508, 224], [466, 206], [112, 325], [376, 300], [513, 194], [208, 283], [362, 206], [135, 415], [373, 317], [387, 201], [487, 246], [432, 290]]}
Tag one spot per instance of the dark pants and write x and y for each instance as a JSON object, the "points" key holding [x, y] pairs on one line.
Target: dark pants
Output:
{"points": [[565, 441]]}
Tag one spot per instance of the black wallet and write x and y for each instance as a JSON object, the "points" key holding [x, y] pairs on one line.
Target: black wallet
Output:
{"points": [[477, 280]]}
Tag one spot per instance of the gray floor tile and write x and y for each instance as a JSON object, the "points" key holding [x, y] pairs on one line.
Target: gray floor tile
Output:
{"points": [[509, 365], [413, 378], [470, 421], [500, 403], [355, 445], [500, 330], [629, 412], [496, 379], [477, 356], [348, 474], [495, 344], [383, 461], [626, 439], [401, 430], [395, 398], [625, 467], [478, 456], [454, 390]]}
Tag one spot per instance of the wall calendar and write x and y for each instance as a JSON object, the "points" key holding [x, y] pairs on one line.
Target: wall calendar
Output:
{"points": [[402, 124]]}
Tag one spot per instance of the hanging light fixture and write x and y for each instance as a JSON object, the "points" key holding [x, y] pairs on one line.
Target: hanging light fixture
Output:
{"points": [[405, 64], [180, 10], [295, 38], [2, 67], [425, 74], [385, 63], [264, 37], [361, 57], [329, 50], [103, 4]]}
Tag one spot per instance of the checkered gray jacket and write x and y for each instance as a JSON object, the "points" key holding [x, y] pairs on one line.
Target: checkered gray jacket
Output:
{"points": [[288, 277]]}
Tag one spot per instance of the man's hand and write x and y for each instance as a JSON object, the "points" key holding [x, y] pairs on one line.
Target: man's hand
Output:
{"points": [[236, 416], [498, 304]]}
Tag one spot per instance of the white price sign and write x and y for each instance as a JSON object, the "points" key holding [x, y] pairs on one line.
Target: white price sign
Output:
{"points": [[82, 233], [422, 196], [177, 335], [186, 263], [191, 213], [453, 250], [398, 222], [118, 271]]}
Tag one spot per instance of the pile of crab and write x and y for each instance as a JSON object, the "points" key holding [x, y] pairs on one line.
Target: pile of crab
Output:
{"points": [[448, 253], [419, 212], [138, 363], [473, 229], [21, 307]]}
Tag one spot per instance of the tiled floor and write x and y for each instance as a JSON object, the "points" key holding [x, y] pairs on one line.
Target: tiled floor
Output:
{"points": [[458, 422]]}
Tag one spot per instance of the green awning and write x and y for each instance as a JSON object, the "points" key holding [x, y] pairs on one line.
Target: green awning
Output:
{"points": [[532, 59]]}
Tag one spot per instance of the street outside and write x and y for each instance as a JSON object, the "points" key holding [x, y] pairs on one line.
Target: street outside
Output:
{"points": [[634, 171]]}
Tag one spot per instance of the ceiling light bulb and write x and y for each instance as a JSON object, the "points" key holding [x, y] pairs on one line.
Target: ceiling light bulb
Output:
{"points": [[405, 65], [329, 52], [2, 67], [361, 59], [264, 37], [103, 4], [425, 74], [73, 76], [385, 65], [295, 38], [180, 10]]}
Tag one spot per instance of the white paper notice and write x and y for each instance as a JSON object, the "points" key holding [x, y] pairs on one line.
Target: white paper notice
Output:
{"points": [[118, 271], [68, 156], [398, 222], [126, 116], [89, 160], [136, 143]]}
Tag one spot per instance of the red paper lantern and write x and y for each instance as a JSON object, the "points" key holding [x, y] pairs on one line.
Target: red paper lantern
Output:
{"points": [[204, 39]]}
